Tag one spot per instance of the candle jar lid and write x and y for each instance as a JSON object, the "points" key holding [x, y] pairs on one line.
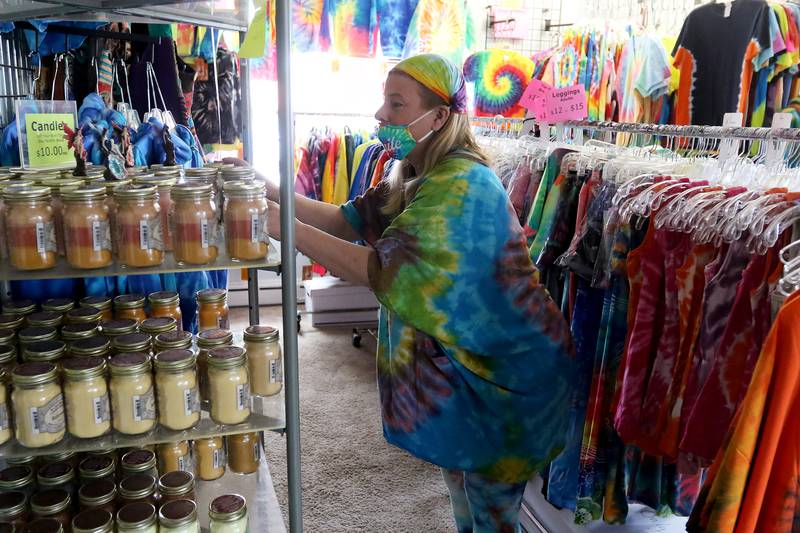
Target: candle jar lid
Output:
{"points": [[92, 346], [12, 503], [227, 508], [137, 461], [201, 172], [132, 342], [192, 190], [226, 357], [175, 360], [29, 375], [98, 302], [59, 305], [9, 321], [127, 192], [177, 513], [45, 319], [15, 477], [137, 487], [72, 332], [93, 521], [29, 335], [55, 474], [97, 467], [214, 337], [110, 185], [174, 339], [84, 315], [26, 460], [164, 298], [19, 307], [26, 194], [160, 181], [59, 457], [97, 493], [8, 353], [212, 295], [136, 516], [176, 483], [244, 189], [156, 325], [82, 192], [237, 173], [7, 336], [50, 502], [120, 326], [83, 368], [129, 301], [40, 525], [261, 334], [50, 351], [129, 364]]}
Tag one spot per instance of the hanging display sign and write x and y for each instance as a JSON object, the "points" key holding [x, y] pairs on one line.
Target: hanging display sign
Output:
{"points": [[555, 105], [40, 124]]}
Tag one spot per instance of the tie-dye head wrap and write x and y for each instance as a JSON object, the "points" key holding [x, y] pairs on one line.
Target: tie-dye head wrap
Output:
{"points": [[440, 76]]}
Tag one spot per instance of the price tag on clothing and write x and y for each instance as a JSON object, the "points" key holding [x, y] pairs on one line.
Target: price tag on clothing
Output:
{"points": [[554, 105], [775, 150], [565, 104], [47, 147], [535, 98], [729, 148]]}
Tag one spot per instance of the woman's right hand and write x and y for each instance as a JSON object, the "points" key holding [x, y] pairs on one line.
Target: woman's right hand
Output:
{"points": [[273, 189]]}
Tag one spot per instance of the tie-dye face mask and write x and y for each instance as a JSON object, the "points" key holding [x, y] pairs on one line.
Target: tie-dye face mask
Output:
{"points": [[398, 140]]}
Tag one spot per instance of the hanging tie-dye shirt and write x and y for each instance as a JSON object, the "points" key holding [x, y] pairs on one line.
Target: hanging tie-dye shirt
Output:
{"points": [[474, 358]]}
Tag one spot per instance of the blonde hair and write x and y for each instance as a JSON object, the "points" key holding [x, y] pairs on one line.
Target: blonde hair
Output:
{"points": [[456, 134]]}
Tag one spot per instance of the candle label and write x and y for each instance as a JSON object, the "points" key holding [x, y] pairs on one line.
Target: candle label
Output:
{"points": [[242, 396], [151, 234], [219, 459], [49, 418], [101, 235], [46, 237], [144, 406], [191, 401], [275, 371], [101, 409]]}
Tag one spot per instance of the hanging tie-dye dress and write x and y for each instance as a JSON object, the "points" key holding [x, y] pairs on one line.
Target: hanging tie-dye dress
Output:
{"points": [[474, 358]]}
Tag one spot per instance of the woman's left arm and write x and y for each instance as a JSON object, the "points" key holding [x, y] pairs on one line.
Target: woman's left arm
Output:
{"points": [[344, 259]]}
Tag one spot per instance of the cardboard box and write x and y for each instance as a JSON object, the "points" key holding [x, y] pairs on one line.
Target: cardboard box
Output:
{"points": [[333, 301]]}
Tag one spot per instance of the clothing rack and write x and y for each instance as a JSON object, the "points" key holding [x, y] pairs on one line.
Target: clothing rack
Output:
{"points": [[323, 114], [711, 132], [658, 130]]}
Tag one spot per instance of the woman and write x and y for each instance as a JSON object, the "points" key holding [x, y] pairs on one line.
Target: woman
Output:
{"points": [[474, 359]]}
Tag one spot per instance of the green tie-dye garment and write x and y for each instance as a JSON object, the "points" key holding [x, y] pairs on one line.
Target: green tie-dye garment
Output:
{"points": [[474, 359]]}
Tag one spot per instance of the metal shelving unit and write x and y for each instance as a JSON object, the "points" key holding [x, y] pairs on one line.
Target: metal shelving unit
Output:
{"points": [[207, 13]]}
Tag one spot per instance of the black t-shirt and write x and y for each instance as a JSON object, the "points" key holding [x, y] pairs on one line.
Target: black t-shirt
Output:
{"points": [[717, 55]]}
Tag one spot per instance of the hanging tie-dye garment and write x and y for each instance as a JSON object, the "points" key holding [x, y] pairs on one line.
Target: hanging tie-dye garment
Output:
{"points": [[474, 359], [443, 27], [349, 27], [500, 78]]}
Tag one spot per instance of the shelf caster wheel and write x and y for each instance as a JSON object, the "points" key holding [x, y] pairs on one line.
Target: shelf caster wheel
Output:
{"points": [[356, 340], [299, 319]]}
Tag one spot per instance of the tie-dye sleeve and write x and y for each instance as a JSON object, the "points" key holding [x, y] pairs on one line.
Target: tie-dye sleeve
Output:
{"points": [[364, 213]]}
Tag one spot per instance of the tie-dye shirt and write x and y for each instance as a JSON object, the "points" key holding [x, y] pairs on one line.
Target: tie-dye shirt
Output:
{"points": [[717, 56], [474, 358]]}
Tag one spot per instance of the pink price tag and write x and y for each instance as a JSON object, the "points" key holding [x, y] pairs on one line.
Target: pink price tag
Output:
{"points": [[565, 104], [535, 95]]}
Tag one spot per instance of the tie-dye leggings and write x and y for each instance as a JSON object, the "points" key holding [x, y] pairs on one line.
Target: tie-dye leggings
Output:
{"points": [[482, 505]]}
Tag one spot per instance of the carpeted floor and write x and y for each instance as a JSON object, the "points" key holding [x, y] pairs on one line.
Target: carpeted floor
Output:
{"points": [[353, 481]]}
